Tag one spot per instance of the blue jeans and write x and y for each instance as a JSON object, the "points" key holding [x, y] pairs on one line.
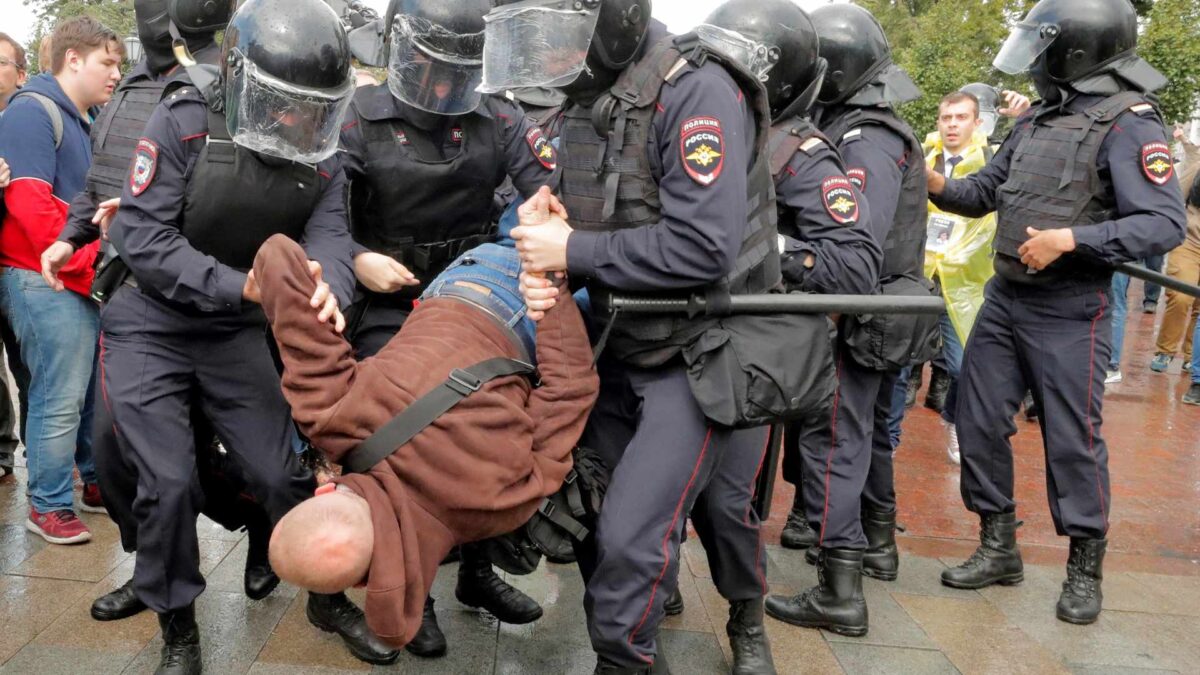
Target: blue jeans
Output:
{"points": [[951, 355], [57, 333], [1153, 291], [496, 268], [1120, 309]]}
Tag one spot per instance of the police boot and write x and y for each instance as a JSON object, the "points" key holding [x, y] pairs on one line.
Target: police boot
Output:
{"points": [[939, 387], [181, 643], [796, 532], [674, 604], [429, 641], [120, 604], [748, 638], [996, 561], [881, 560], [607, 667], [811, 555], [914, 385], [836, 603], [1081, 597], [480, 586], [259, 579], [334, 613]]}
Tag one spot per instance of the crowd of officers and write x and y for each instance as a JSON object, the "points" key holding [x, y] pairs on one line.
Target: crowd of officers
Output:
{"points": [[761, 153]]}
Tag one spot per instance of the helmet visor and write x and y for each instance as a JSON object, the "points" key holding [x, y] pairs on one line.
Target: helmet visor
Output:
{"points": [[299, 124], [434, 69], [1024, 45], [536, 44], [757, 57]]}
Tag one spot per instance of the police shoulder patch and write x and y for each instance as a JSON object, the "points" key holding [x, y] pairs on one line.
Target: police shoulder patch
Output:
{"points": [[858, 177], [456, 135], [702, 148], [1157, 162], [145, 164], [543, 150], [840, 201]]}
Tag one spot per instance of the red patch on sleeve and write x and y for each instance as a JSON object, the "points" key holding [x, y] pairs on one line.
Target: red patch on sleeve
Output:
{"points": [[858, 177], [1157, 163], [702, 148], [145, 164], [840, 201], [543, 151]]}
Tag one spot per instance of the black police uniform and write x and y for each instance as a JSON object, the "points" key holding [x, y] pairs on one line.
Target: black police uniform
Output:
{"points": [[194, 210], [676, 219], [424, 197], [847, 453], [1102, 167]]}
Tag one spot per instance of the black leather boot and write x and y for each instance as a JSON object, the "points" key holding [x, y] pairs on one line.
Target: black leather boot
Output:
{"points": [[881, 560], [748, 638], [811, 555], [334, 613], [674, 604], [119, 604], [939, 387], [606, 667], [796, 532], [1081, 597], [480, 586], [836, 603], [996, 561], [914, 385], [259, 579], [429, 641], [181, 643]]}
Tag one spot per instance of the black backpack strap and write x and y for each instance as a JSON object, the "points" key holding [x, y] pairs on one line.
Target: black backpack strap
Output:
{"points": [[423, 411]]}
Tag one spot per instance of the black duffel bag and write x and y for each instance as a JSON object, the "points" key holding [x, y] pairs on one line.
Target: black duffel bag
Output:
{"points": [[895, 341], [752, 370]]}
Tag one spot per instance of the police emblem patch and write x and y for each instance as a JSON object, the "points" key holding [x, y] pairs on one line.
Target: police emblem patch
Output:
{"points": [[1157, 163], [858, 177], [702, 146], [837, 194], [543, 151], [456, 135], [402, 138], [145, 163]]}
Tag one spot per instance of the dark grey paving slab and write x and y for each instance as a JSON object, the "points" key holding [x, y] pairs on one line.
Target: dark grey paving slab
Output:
{"points": [[691, 652], [229, 574], [17, 545], [867, 659], [54, 660], [889, 624]]}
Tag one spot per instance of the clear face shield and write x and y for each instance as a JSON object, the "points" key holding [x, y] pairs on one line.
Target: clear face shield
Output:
{"points": [[278, 119], [1024, 45], [757, 57], [537, 43], [433, 69]]}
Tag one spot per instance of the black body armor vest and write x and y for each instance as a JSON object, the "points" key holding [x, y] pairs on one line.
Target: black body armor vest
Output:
{"points": [[904, 248], [234, 201], [116, 132], [1053, 181], [608, 184], [423, 213]]}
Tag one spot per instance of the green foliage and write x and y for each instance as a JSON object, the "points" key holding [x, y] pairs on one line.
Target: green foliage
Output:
{"points": [[116, 14], [1171, 43]]}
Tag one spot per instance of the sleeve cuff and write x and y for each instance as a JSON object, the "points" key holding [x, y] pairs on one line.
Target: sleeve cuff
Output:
{"points": [[357, 249], [1088, 241], [581, 253], [229, 290]]}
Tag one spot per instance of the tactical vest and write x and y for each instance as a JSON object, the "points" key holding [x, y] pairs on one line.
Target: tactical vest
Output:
{"points": [[608, 184], [234, 201], [904, 248], [1052, 177], [116, 132], [788, 138], [425, 213]]}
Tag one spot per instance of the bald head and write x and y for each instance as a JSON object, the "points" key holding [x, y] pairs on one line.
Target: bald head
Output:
{"points": [[325, 543]]}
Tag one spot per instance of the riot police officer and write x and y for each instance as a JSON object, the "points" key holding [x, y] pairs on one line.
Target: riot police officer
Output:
{"points": [[222, 165], [846, 452], [117, 130], [1084, 181], [667, 186], [424, 154]]}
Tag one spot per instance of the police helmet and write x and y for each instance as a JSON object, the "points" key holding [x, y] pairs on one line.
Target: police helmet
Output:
{"points": [[196, 20], [989, 104], [861, 71], [200, 16], [776, 41], [287, 78], [435, 47], [1074, 37]]}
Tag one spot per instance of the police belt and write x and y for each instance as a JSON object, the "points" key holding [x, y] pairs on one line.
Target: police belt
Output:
{"points": [[423, 411]]}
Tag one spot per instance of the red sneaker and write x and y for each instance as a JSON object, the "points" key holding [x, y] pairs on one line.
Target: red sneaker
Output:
{"points": [[58, 527], [92, 501]]}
